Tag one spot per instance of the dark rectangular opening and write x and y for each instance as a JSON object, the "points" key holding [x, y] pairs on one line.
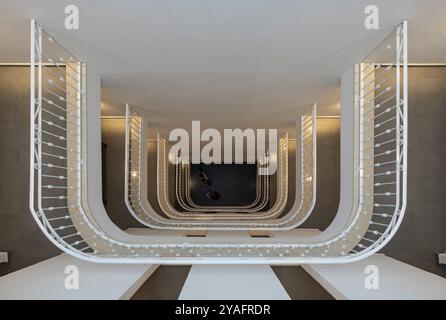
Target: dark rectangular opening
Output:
{"points": [[223, 184]]}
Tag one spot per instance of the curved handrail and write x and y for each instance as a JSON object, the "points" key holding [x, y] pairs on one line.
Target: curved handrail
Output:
{"points": [[305, 186], [171, 212], [381, 180]]}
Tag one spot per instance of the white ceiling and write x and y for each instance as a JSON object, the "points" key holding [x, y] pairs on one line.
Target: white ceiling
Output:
{"points": [[230, 63]]}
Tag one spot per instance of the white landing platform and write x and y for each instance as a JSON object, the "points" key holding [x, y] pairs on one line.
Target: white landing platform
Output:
{"points": [[232, 282], [397, 280], [46, 280]]}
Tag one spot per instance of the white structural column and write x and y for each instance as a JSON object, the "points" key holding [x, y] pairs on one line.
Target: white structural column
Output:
{"points": [[46, 280], [233, 282], [395, 280]]}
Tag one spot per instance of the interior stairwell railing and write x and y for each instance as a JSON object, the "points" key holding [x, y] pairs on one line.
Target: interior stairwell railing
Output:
{"points": [[58, 156], [184, 198], [270, 218], [136, 175], [56, 79], [168, 208], [136, 182]]}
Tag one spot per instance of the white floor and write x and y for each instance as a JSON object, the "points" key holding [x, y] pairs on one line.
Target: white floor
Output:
{"points": [[232, 282], [46, 280], [397, 280]]}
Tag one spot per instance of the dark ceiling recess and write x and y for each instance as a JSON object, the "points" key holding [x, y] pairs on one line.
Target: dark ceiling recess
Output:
{"points": [[223, 184]]}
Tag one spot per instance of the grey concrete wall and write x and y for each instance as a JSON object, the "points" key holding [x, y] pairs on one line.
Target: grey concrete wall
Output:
{"points": [[328, 174], [422, 234], [423, 231], [152, 178], [19, 233], [113, 135]]}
